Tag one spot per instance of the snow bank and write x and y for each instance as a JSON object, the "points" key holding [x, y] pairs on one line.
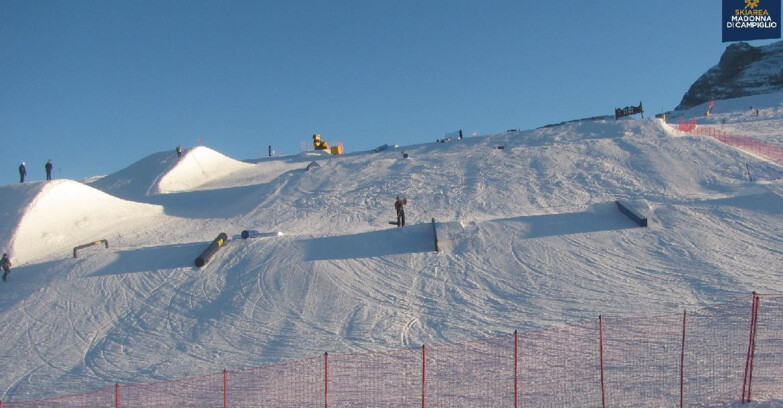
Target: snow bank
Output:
{"points": [[62, 214], [199, 166]]}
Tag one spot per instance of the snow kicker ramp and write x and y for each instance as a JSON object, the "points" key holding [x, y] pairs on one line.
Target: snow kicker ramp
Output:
{"points": [[200, 168], [49, 219]]}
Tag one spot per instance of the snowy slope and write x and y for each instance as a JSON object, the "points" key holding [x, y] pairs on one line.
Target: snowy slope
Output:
{"points": [[48, 219], [529, 234]]}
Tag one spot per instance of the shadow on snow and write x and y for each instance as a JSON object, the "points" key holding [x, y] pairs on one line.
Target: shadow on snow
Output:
{"points": [[392, 241]]}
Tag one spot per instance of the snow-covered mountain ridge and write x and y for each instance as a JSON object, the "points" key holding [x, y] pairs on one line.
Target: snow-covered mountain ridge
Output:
{"points": [[743, 70]]}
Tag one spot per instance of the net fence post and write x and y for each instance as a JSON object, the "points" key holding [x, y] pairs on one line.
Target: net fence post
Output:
{"points": [[326, 380], [225, 388], [423, 376], [682, 358], [516, 369], [116, 395], [748, 378], [601, 351], [756, 304]]}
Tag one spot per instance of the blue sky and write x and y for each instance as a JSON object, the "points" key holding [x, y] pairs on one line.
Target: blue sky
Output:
{"points": [[97, 85]]}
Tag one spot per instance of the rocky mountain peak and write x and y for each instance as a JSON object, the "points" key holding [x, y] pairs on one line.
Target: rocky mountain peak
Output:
{"points": [[743, 70]]}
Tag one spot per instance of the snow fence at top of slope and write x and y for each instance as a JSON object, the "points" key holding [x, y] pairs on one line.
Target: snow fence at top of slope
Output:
{"points": [[55, 216], [197, 168]]}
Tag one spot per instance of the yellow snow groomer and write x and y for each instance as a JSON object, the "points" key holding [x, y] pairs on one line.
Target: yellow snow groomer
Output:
{"points": [[318, 143]]}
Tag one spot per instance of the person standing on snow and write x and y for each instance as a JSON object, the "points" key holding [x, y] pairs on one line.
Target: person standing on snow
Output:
{"points": [[48, 168], [22, 172], [179, 151], [398, 205], [5, 263]]}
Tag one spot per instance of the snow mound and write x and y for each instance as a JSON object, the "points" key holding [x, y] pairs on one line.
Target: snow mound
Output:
{"points": [[62, 214], [197, 168], [139, 179]]}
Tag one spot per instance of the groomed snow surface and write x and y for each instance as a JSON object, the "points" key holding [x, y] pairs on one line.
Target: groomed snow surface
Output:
{"points": [[529, 238]]}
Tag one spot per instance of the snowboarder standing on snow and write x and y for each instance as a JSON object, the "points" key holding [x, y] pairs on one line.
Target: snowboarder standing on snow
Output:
{"points": [[48, 168], [5, 263], [22, 172], [179, 151], [398, 205]]}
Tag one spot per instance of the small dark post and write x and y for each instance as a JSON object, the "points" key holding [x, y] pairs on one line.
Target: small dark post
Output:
{"points": [[746, 382], [435, 233], [601, 350], [326, 380], [270, 150], [225, 388], [423, 376], [682, 357], [516, 365]]}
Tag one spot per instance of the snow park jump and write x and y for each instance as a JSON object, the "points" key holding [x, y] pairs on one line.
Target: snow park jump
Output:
{"points": [[211, 250]]}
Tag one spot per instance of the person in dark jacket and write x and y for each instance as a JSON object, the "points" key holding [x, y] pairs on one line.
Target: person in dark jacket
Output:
{"points": [[399, 206], [179, 151], [48, 168], [5, 263], [22, 172]]}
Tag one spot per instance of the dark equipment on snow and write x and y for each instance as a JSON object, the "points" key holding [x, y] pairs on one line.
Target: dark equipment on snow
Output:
{"points": [[102, 241], [380, 148], [634, 215], [628, 111], [211, 249], [250, 234]]}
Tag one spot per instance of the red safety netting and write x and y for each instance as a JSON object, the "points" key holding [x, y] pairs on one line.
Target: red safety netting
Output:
{"points": [[98, 398], [749, 144], [295, 384], [388, 379], [712, 356]]}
